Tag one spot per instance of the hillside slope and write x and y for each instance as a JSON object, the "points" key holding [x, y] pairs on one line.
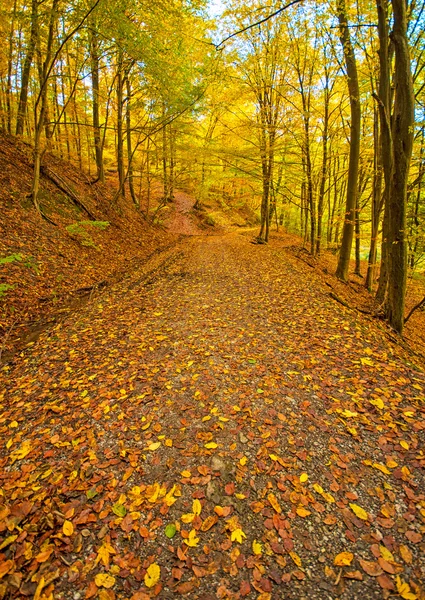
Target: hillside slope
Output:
{"points": [[42, 264]]}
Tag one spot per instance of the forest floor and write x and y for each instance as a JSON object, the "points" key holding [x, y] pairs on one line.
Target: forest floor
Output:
{"points": [[213, 425]]}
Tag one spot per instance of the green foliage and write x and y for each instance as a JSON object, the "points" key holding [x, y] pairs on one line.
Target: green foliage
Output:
{"points": [[4, 287], [11, 258], [79, 229], [18, 257]]}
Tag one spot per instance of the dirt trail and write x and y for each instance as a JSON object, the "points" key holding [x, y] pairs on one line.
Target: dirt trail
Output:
{"points": [[180, 220], [229, 398]]}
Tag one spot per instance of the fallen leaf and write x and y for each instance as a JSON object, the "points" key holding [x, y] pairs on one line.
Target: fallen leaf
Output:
{"points": [[152, 575], [257, 548], [104, 580], [68, 528], [343, 559], [403, 589], [359, 511]]}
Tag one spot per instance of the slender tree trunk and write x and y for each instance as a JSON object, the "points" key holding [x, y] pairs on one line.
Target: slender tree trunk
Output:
{"points": [[130, 172], [402, 134], [120, 139], [384, 102], [355, 129], [25, 76], [324, 171], [9, 70], [357, 269], [376, 203], [98, 143], [165, 165], [40, 114]]}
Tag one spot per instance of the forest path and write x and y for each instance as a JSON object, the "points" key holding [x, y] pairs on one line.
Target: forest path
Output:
{"points": [[180, 220], [228, 398]]}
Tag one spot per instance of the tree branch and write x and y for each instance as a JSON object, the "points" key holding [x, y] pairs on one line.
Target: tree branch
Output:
{"points": [[258, 22]]}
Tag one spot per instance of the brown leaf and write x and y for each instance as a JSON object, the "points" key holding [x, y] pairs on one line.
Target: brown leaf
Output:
{"points": [[209, 522], [370, 567], [385, 582], [186, 587], [245, 588], [413, 537], [353, 575]]}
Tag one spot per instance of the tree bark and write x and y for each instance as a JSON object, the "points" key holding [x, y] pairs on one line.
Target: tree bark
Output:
{"points": [[384, 103], [402, 134], [26, 69], [98, 143], [355, 128]]}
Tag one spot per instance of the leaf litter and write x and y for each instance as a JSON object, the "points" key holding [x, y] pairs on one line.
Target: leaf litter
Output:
{"points": [[223, 430]]}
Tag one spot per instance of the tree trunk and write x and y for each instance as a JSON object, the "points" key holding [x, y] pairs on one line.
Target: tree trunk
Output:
{"points": [[384, 102], [120, 139], [130, 173], [402, 135], [98, 143], [25, 76], [324, 171], [376, 203], [355, 128]]}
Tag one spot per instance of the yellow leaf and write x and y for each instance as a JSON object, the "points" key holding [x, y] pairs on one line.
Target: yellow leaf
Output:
{"points": [[275, 504], [211, 445], [103, 554], [296, 558], [318, 488], [237, 536], [386, 554], [187, 518], [378, 403], [104, 580], [196, 507], [192, 540], [381, 468], [404, 445], [391, 464], [185, 474], [365, 360], [168, 442], [243, 461], [152, 575], [13, 424], [68, 528], [170, 498], [206, 418], [39, 589], [343, 559], [406, 554], [348, 413], [328, 497], [154, 446], [353, 431], [21, 452], [303, 478], [302, 512], [257, 548], [359, 511], [403, 589]]}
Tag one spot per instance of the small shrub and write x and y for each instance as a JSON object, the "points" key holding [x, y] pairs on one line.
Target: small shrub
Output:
{"points": [[78, 229], [11, 258], [5, 287]]}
